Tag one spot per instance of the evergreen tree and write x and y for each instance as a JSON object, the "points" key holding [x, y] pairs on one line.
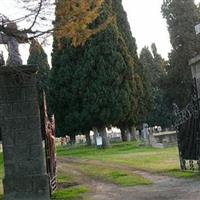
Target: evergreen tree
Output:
{"points": [[39, 57], [94, 84], [181, 17], [147, 62], [67, 85], [155, 70], [141, 101]]}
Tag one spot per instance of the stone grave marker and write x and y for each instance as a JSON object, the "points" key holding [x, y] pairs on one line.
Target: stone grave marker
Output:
{"points": [[25, 173], [24, 163]]}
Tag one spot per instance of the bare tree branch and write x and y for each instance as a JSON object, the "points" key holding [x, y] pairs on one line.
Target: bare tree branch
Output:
{"points": [[34, 16]]}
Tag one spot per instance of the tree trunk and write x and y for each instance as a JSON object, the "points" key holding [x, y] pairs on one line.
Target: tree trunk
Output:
{"points": [[72, 139], [123, 134], [133, 133], [95, 135], [88, 139], [128, 135], [105, 139]]}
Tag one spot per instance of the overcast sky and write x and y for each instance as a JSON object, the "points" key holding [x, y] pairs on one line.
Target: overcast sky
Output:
{"points": [[145, 19], [147, 24]]}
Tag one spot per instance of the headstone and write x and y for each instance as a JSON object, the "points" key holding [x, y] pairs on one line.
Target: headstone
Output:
{"points": [[24, 163], [145, 133], [197, 29], [99, 141]]}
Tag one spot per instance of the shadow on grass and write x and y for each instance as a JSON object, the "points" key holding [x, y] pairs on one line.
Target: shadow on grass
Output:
{"points": [[183, 174]]}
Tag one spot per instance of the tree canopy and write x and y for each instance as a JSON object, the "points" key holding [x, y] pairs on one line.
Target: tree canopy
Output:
{"points": [[181, 17], [94, 85], [75, 18]]}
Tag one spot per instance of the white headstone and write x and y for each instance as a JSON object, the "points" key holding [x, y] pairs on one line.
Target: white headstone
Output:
{"points": [[197, 28], [99, 141]]}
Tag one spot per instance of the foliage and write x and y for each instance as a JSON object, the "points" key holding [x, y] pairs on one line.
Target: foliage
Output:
{"points": [[154, 67], [74, 19], [181, 17], [39, 57], [93, 84], [140, 100]]}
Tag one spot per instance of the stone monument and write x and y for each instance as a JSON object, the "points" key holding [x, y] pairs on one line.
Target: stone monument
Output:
{"points": [[145, 133], [24, 162], [12, 44]]}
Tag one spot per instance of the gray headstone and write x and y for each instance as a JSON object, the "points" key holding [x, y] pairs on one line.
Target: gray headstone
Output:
{"points": [[25, 173]]}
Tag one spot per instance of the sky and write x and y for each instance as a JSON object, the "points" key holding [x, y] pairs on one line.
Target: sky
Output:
{"points": [[145, 18], [147, 24]]}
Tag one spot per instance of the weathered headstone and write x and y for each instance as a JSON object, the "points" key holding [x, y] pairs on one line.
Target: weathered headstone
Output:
{"points": [[145, 133], [25, 173]]}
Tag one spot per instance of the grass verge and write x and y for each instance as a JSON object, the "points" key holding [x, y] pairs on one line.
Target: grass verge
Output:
{"points": [[70, 193], [116, 176], [154, 160]]}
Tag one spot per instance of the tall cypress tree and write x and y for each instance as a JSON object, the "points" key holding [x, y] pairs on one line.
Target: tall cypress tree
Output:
{"points": [[93, 87], [140, 100], [39, 57], [155, 69], [181, 17]]}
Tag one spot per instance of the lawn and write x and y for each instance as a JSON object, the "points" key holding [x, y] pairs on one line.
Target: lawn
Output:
{"points": [[110, 165], [133, 155]]}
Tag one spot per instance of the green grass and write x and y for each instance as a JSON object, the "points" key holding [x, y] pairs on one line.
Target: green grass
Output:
{"points": [[70, 193], [133, 155], [129, 154], [117, 176], [89, 152], [183, 174], [65, 178]]}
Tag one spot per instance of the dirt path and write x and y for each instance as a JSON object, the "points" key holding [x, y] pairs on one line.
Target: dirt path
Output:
{"points": [[164, 187]]}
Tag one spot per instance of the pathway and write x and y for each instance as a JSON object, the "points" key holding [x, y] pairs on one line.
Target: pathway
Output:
{"points": [[164, 187]]}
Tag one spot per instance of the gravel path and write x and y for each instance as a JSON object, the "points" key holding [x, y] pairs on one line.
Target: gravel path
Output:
{"points": [[164, 187]]}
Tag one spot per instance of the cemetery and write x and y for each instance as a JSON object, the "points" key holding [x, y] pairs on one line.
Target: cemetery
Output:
{"points": [[102, 119]]}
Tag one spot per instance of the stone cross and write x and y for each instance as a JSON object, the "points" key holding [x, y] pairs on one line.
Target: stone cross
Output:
{"points": [[12, 43]]}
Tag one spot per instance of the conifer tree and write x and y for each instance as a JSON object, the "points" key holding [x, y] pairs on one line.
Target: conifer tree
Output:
{"points": [[94, 85], [181, 17], [140, 100], [155, 70], [39, 57]]}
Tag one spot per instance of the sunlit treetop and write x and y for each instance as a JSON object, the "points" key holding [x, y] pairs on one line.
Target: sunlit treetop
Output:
{"points": [[74, 20]]}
